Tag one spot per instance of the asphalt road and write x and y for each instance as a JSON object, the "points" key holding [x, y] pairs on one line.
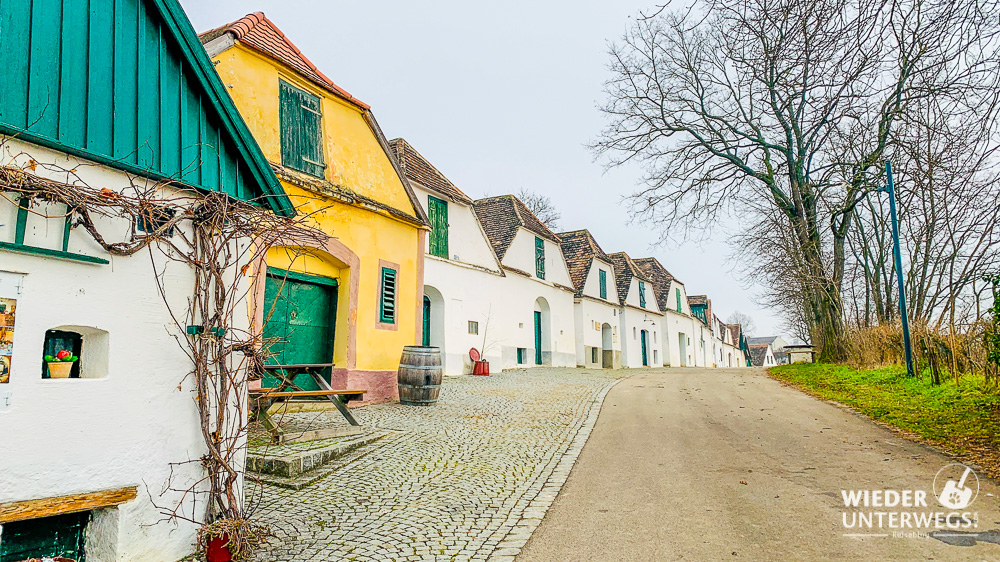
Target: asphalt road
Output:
{"points": [[699, 464]]}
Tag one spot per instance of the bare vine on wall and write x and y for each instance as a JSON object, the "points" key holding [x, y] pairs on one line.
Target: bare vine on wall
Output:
{"points": [[220, 239]]}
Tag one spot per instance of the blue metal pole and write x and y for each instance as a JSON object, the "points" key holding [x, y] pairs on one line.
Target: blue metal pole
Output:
{"points": [[899, 271]]}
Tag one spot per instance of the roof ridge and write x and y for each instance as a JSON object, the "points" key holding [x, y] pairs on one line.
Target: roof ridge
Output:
{"points": [[407, 145]]}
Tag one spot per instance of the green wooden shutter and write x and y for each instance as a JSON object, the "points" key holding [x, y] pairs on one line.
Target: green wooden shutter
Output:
{"points": [[387, 302], [604, 283], [642, 294], [679, 307], [301, 130], [437, 210], [539, 258]]}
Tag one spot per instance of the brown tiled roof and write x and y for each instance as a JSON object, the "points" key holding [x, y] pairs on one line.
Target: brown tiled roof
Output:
{"points": [[259, 33], [735, 330], [420, 170], [625, 270], [501, 216], [659, 277], [579, 248], [758, 353], [697, 300]]}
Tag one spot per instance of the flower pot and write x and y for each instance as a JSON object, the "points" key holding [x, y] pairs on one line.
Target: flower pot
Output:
{"points": [[60, 369], [217, 550]]}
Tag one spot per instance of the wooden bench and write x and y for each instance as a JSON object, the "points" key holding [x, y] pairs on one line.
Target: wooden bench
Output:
{"points": [[263, 398]]}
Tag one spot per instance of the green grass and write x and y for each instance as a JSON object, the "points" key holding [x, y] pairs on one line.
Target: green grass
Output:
{"points": [[964, 419]]}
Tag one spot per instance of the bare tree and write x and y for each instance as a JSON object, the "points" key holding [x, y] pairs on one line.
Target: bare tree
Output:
{"points": [[541, 206], [781, 112], [745, 321]]}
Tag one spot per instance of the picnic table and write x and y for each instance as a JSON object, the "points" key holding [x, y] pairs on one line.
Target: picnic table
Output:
{"points": [[263, 398]]}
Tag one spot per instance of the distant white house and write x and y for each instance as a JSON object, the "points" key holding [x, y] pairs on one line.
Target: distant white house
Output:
{"points": [[536, 316], [596, 305], [463, 303], [778, 345], [640, 318], [761, 355]]}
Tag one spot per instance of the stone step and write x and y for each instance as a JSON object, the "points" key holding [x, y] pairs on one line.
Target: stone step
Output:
{"points": [[290, 461]]}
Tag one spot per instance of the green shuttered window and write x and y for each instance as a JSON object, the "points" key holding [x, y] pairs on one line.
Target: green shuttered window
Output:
{"points": [[642, 294], [301, 131], [604, 283], [679, 307], [387, 296], [539, 258], [437, 211]]}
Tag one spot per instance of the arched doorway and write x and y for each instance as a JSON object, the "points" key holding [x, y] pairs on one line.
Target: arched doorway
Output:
{"points": [[607, 354], [433, 319], [542, 323]]}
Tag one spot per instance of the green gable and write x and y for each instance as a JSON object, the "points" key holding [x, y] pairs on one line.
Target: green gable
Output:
{"points": [[127, 83]]}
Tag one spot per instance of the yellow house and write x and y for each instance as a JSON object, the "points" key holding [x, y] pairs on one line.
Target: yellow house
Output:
{"points": [[353, 302]]}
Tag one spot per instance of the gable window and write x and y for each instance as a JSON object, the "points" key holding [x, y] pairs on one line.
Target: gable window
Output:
{"points": [[437, 212], [604, 283], [301, 130], [539, 258], [679, 308], [387, 296], [642, 294]]}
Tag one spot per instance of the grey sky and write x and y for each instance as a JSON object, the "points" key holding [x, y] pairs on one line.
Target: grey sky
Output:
{"points": [[498, 97]]}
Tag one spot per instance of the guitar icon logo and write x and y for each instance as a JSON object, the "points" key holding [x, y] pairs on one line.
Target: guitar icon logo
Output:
{"points": [[956, 495]]}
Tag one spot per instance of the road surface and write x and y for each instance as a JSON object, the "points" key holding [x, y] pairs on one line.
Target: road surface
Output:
{"points": [[699, 464]]}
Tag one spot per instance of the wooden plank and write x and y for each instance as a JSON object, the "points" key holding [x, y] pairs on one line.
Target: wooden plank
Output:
{"points": [[264, 392], [46, 507]]}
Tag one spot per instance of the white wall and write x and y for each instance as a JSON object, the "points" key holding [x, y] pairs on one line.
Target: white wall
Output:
{"points": [[592, 312], [466, 241], [635, 319], [521, 255], [123, 428]]}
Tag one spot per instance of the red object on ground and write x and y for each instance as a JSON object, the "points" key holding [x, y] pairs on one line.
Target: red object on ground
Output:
{"points": [[481, 368], [217, 550], [474, 355]]}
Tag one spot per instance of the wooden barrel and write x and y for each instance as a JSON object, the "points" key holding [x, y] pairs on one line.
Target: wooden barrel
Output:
{"points": [[419, 376]]}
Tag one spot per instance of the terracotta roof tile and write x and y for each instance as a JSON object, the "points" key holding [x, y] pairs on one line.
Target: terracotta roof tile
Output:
{"points": [[625, 270], [579, 248], [660, 279], [421, 171], [256, 31], [501, 216]]}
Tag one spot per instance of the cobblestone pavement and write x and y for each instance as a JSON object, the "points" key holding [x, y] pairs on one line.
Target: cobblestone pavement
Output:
{"points": [[467, 479]]}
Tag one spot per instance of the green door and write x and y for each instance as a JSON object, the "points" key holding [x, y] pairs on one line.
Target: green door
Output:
{"points": [[538, 338], [426, 339], [642, 337], [302, 310], [59, 535]]}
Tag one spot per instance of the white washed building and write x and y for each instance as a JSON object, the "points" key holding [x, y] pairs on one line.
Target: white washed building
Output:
{"points": [[463, 279], [640, 318], [598, 343], [93, 464], [536, 319]]}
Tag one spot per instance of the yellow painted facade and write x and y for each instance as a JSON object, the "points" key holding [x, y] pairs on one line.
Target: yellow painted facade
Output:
{"points": [[356, 163]]}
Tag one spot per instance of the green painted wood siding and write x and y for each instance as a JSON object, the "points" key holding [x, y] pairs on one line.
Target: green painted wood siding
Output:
{"points": [[642, 295], [301, 119], [59, 535], [300, 320], [126, 83], [539, 258], [603, 275], [387, 296], [437, 212]]}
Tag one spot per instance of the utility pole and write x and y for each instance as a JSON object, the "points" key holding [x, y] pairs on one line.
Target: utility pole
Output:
{"points": [[899, 270]]}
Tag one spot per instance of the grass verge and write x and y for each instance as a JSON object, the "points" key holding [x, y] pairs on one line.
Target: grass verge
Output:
{"points": [[962, 419]]}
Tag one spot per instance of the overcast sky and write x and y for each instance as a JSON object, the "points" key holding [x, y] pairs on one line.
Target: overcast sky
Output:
{"points": [[498, 97]]}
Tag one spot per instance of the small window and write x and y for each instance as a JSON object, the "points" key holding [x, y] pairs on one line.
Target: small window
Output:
{"points": [[539, 258], [437, 212], [633, 333], [604, 283], [60, 340], [387, 296], [153, 219], [521, 352], [301, 120], [473, 327], [654, 337], [593, 355], [58, 535], [642, 294]]}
